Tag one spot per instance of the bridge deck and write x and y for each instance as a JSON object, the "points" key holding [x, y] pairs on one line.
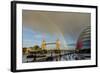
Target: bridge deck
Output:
{"points": [[50, 43]]}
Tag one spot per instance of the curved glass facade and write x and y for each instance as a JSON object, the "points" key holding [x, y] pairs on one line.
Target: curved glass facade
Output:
{"points": [[84, 40]]}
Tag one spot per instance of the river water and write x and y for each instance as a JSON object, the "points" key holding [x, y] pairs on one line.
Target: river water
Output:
{"points": [[64, 56]]}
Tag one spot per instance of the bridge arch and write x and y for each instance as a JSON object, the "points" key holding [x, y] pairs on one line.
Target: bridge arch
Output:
{"points": [[57, 44]]}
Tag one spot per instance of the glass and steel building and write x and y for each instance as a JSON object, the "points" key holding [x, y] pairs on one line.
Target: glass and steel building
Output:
{"points": [[84, 40]]}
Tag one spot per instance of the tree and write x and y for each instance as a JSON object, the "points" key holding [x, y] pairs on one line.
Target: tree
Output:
{"points": [[36, 47]]}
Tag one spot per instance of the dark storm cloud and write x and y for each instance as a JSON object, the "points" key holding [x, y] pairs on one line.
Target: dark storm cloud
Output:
{"points": [[66, 24]]}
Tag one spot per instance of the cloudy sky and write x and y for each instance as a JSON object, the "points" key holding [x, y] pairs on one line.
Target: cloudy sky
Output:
{"points": [[50, 26]]}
